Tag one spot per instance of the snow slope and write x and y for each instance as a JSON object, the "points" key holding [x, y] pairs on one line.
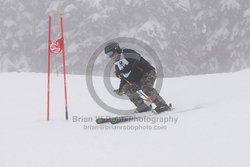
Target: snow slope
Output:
{"points": [[215, 133]]}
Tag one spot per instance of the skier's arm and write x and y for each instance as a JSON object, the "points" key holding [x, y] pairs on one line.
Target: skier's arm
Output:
{"points": [[119, 74], [122, 83]]}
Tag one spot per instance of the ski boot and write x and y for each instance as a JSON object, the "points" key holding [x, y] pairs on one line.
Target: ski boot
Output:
{"points": [[162, 107], [143, 108]]}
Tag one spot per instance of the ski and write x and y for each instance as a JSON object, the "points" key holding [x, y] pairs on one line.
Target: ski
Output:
{"points": [[121, 119], [135, 115], [103, 120], [117, 119], [172, 111]]}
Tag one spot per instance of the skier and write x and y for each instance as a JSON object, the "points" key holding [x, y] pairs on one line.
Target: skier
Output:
{"points": [[136, 74]]}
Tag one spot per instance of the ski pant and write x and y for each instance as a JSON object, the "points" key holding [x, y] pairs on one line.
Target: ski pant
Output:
{"points": [[146, 85]]}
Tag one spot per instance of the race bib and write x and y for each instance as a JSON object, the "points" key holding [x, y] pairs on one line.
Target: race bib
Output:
{"points": [[121, 64]]}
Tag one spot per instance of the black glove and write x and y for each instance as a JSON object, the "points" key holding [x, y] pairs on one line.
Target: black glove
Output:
{"points": [[118, 92]]}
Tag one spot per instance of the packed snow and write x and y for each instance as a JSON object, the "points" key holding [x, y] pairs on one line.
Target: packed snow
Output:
{"points": [[209, 127]]}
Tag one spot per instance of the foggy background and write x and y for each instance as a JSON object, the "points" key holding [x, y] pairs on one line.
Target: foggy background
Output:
{"points": [[189, 36]]}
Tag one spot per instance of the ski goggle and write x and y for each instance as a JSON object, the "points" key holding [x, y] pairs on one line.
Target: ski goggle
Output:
{"points": [[110, 53]]}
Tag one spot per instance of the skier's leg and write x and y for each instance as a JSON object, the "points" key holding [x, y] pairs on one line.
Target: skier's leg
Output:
{"points": [[147, 83], [130, 91]]}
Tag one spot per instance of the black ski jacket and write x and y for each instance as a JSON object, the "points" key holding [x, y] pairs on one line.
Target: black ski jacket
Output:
{"points": [[132, 66]]}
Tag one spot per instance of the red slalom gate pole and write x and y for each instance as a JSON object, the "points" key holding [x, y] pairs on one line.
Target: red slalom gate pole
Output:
{"points": [[48, 86], [56, 48], [64, 68]]}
